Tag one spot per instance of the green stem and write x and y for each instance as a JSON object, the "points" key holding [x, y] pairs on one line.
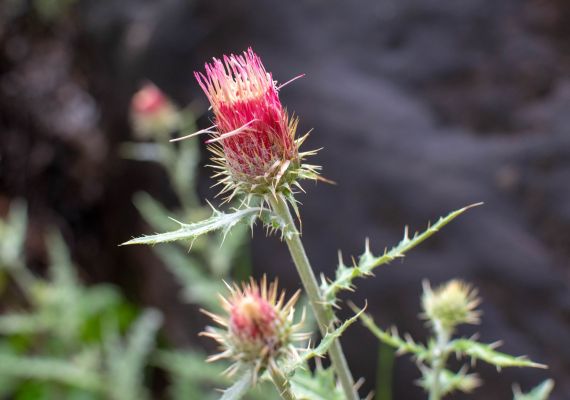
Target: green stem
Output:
{"points": [[441, 352], [281, 383], [324, 316]]}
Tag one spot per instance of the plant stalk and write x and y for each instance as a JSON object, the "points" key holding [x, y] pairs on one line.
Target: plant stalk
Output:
{"points": [[440, 359], [323, 316], [281, 383]]}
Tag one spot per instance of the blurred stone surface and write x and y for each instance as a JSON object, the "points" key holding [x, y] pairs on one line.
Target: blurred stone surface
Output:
{"points": [[421, 107]]}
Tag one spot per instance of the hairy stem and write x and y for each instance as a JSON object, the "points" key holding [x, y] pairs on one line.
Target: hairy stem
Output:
{"points": [[441, 352], [281, 383], [323, 316]]}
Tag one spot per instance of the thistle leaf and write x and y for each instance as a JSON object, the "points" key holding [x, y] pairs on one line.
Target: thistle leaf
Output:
{"points": [[240, 387], [487, 353], [541, 392], [198, 287], [13, 235], [320, 385], [367, 262], [218, 221], [450, 381], [323, 346], [127, 359], [50, 369], [393, 339]]}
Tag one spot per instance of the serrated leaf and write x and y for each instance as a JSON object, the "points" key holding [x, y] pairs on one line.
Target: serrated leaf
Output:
{"points": [[367, 262], [218, 221], [393, 339], [541, 392], [486, 352]]}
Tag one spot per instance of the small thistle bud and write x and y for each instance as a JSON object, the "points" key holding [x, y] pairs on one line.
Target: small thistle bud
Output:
{"points": [[152, 114], [253, 139], [258, 327], [451, 304]]}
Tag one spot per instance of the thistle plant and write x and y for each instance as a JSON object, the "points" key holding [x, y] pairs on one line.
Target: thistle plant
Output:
{"points": [[259, 166], [444, 309]]}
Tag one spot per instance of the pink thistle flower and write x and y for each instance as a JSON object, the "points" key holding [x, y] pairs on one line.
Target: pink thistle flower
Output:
{"points": [[253, 138], [258, 327]]}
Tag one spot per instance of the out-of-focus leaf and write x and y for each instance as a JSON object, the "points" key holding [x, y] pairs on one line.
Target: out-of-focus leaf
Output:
{"points": [[21, 324], [198, 287], [240, 387], [541, 392], [153, 212], [127, 360], [13, 234], [49, 369]]}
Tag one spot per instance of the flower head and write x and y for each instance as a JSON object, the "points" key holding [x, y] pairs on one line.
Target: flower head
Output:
{"points": [[451, 304], [253, 138], [258, 327], [152, 114]]}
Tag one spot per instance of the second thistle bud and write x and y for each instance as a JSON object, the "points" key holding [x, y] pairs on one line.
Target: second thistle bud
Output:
{"points": [[258, 328], [153, 115], [451, 304]]}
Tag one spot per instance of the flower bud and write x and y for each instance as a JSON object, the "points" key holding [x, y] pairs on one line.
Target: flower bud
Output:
{"points": [[253, 139], [451, 304], [258, 326], [152, 114]]}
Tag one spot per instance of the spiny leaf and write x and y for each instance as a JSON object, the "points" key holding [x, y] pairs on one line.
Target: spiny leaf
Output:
{"points": [[393, 339], [218, 221], [541, 392], [323, 346], [486, 352], [240, 387], [367, 261]]}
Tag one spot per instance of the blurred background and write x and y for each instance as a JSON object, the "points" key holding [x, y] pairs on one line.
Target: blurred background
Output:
{"points": [[421, 106]]}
